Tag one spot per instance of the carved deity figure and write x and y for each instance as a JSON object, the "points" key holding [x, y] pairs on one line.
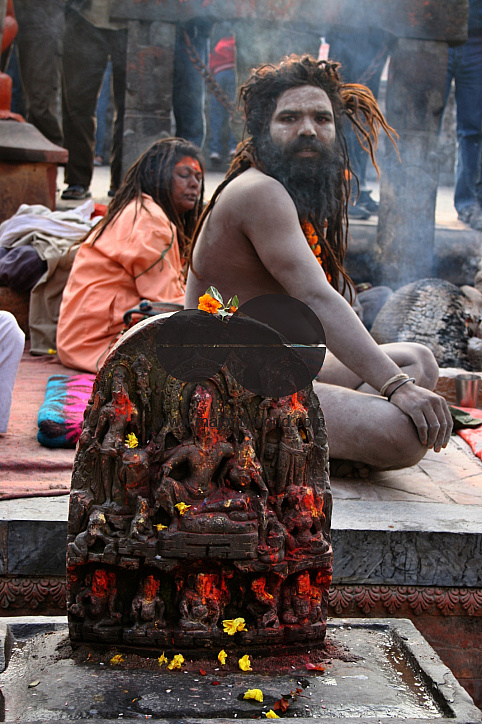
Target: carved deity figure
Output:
{"points": [[148, 608], [296, 601], [97, 529], [141, 528], [203, 455], [114, 418], [96, 601], [202, 604], [264, 607], [303, 521]]}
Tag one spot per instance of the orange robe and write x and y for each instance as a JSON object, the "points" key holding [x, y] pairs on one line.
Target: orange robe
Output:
{"points": [[123, 267]]}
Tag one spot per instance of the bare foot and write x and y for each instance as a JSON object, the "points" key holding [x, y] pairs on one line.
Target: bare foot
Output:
{"points": [[348, 469]]}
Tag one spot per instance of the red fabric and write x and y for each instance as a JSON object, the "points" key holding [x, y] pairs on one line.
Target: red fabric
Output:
{"points": [[223, 56], [472, 436], [99, 210], [26, 468]]}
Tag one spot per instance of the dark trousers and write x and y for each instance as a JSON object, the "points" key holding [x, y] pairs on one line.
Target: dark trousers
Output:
{"points": [[39, 43], [362, 54], [87, 50]]}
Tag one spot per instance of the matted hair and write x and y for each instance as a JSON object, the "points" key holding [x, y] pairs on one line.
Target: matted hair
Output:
{"points": [[152, 174], [259, 96]]}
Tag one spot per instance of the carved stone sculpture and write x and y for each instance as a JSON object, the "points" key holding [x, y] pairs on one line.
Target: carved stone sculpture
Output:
{"points": [[193, 503]]}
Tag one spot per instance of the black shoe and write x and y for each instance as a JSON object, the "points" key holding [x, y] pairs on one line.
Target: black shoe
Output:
{"points": [[75, 192], [111, 193], [358, 212], [368, 203], [476, 219], [465, 214]]}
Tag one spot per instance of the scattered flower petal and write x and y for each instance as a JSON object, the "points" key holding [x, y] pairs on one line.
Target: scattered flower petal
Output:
{"points": [[33, 683], [202, 672], [162, 659], [182, 507], [255, 694], [176, 663], [244, 663], [271, 715], [131, 440], [222, 656], [314, 667], [117, 659], [215, 683], [231, 626], [159, 526]]}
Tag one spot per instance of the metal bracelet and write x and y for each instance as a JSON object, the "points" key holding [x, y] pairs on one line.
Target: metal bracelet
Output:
{"points": [[410, 379]]}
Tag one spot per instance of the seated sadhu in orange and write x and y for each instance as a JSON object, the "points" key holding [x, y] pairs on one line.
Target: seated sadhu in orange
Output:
{"points": [[138, 251], [277, 225]]}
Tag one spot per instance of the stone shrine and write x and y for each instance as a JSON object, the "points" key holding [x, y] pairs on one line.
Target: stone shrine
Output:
{"points": [[194, 503]]}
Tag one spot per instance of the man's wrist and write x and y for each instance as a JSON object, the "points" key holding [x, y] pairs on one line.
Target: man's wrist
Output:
{"points": [[388, 384], [397, 387]]}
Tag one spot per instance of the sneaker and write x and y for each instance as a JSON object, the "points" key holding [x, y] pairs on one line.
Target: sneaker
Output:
{"points": [[368, 203], [215, 160], [465, 214], [98, 161], [476, 218], [358, 212], [75, 192]]}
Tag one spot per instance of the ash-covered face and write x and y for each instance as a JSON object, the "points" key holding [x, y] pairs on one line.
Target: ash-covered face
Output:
{"points": [[300, 151]]}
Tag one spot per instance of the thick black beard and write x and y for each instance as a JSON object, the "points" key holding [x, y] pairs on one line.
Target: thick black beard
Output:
{"points": [[313, 183]]}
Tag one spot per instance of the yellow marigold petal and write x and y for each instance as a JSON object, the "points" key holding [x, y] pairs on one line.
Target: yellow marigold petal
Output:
{"points": [[182, 507], [162, 659], [256, 694], [159, 526], [244, 663], [117, 659], [131, 440], [176, 663], [231, 626], [271, 714], [222, 656]]}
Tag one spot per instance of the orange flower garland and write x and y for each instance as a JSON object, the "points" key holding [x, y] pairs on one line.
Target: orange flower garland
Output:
{"points": [[313, 240]]}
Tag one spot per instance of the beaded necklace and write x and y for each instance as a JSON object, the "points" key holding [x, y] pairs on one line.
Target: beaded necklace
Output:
{"points": [[313, 241]]}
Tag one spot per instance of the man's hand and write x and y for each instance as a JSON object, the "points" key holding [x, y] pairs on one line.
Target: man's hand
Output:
{"points": [[429, 413]]}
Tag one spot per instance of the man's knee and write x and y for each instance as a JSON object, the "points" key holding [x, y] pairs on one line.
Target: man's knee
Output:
{"points": [[400, 446], [428, 370]]}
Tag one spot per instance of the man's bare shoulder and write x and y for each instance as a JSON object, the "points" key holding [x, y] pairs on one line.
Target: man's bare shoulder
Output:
{"points": [[254, 188]]}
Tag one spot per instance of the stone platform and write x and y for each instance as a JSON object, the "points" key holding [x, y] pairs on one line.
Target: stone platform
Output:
{"points": [[374, 670]]}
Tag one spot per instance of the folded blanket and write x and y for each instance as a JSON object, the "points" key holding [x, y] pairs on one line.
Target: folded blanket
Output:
{"points": [[61, 415]]}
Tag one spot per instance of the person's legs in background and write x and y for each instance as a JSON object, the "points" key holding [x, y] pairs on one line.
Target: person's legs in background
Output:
{"points": [[118, 52], [84, 62], [39, 43], [101, 116], [12, 341], [220, 117], [188, 84], [466, 63]]}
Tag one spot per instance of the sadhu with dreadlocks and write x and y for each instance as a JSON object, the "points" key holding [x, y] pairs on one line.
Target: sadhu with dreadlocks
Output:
{"points": [[138, 251], [278, 225]]}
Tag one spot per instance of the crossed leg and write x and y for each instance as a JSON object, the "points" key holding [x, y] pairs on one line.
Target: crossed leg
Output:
{"points": [[362, 426]]}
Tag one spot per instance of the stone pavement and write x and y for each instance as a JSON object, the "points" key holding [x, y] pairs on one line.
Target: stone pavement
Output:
{"points": [[370, 671]]}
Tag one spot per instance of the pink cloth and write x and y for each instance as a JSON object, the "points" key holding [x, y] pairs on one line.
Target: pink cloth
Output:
{"points": [[137, 257], [472, 435]]}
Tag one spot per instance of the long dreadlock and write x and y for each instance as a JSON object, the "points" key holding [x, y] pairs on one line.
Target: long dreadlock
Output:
{"points": [[152, 174], [259, 96]]}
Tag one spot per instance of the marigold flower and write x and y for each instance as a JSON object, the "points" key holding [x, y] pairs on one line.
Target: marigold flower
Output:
{"points": [[317, 249], [231, 626], [256, 694], [117, 659], [271, 714], [222, 656], [207, 303], [182, 507], [176, 663], [244, 663], [131, 440], [159, 526], [162, 659]]}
